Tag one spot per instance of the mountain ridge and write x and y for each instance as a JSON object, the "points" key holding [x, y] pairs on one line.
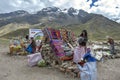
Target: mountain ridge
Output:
{"points": [[70, 18]]}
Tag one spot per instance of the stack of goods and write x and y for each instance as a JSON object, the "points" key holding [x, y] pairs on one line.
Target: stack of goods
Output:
{"points": [[50, 34], [55, 34], [56, 45], [16, 47], [56, 52], [64, 34], [49, 56], [69, 68], [102, 50], [117, 47], [68, 53], [71, 37], [67, 36], [62, 63], [53, 37]]}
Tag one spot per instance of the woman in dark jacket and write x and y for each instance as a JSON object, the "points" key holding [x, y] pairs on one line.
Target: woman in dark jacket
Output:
{"points": [[33, 45]]}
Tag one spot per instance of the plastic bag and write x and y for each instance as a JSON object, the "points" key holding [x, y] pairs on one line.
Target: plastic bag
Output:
{"points": [[41, 63], [33, 59]]}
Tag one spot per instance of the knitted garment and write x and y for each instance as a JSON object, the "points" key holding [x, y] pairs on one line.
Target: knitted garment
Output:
{"points": [[79, 53]]}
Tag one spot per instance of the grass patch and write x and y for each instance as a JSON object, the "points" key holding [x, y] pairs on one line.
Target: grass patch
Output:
{"points": [[4, 41], [17, 33]]}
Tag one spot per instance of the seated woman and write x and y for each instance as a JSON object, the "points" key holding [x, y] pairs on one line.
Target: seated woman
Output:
{"points": [[88, 71], [32, 47]]}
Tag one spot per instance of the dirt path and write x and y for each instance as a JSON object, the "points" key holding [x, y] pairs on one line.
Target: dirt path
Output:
{"points": [[15, 68]]}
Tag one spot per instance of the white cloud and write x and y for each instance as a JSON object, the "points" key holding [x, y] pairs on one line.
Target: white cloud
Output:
{"points": [[108, 8], [39, 4]]}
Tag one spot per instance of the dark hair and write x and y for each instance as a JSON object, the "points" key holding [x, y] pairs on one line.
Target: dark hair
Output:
{"points": [[33, 44], [84, 33], [81, 41], [27, 37]]}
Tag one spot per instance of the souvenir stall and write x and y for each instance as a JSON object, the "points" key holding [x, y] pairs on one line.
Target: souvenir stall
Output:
{"points": [[17, 47], [57, 51]]}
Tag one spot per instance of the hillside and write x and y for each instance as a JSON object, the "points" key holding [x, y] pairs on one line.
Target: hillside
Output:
{"points": [[98, 26], [12, 27]]}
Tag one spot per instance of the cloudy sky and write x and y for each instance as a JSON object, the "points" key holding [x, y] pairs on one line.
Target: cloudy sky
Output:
{"points": [[108, 8]]}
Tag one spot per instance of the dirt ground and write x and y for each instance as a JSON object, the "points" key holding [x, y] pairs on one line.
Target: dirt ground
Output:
{"points": [[15, 68]]}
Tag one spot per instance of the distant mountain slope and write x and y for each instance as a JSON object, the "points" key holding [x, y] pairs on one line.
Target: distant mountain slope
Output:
{"points": [[97, 26], [17, 33], [13, 14], [12, 27], [50, 14]]}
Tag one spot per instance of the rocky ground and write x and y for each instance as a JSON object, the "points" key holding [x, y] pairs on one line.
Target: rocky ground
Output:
{"points": [[15, 68]]}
